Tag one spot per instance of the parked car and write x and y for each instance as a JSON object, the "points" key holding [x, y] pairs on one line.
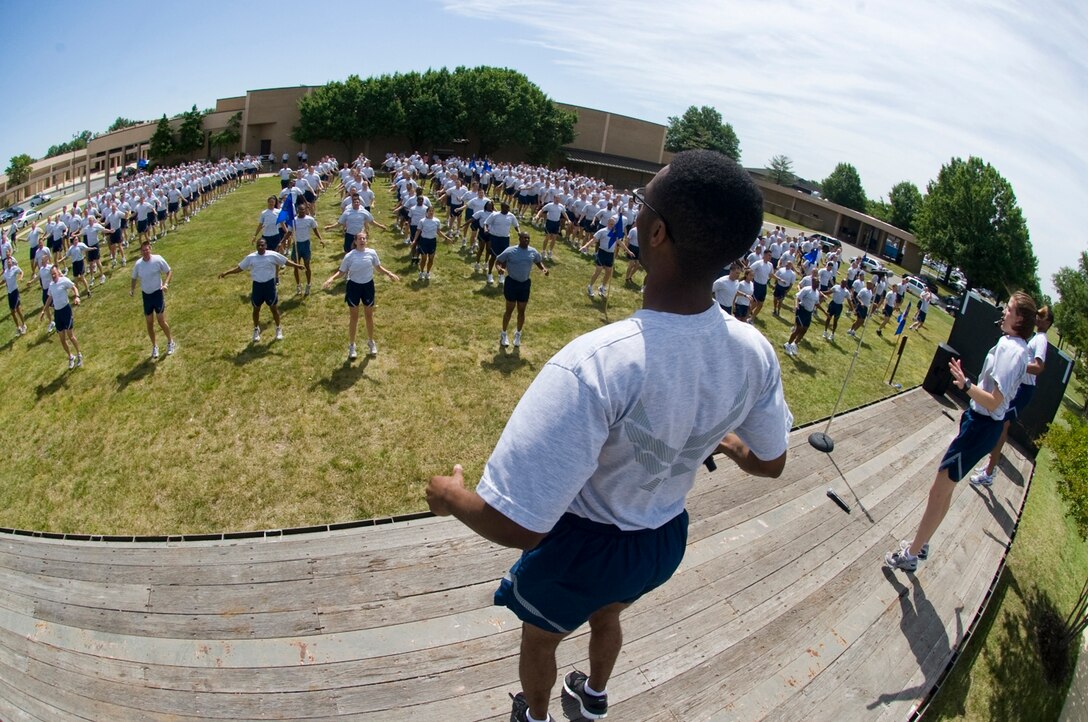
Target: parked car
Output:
{"points": [[27, 217], [952, 304], [870, 264], [827, 243], [39, 200], [914, 285], [10, 214]]}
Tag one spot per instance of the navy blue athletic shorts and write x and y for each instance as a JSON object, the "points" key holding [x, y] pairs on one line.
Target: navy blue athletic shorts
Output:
{"points": [[834, 309], [759, 291], [301, 249], [427, 246], [13, 300], [63, 318], [551, 227], [357, 293], [740, 312], [976, 439], [780, 290], [605, 259], [583, 565], [517, 291], [804, 317], [264, 292], [273, 242], [154, 302], [499, 244], [1019, 402]]}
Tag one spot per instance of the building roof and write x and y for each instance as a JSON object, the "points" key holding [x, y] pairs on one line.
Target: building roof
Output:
{"points": [[610, 161]]}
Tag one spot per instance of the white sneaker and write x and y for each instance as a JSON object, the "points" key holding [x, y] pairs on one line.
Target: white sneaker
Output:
{"points": [[372, 347], [420, 276], [22, 330], [352, 355], [307, 291], [256, 335], [793, 349], [603, 291], [154, 352], [79, 360], [831, 336], [171, 347], [517, 338], [981, 478], [298, 289], [52, 327], [427, 276], [490, 280], [503, 340], [851, 333], [102, 281], [279, 333], [502, 279], [477, 268], [71, 361], [589, 290]]}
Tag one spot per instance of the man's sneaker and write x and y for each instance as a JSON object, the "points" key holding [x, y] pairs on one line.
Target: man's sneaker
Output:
{"points": [[477, 268], [602, 290], [306, 292], [851, 333], [52, 327], [279, 333], [981, 478], [502, 278], [503, 340], [256, 335], [71, 361], [923, 553], [589, 290], [372, 347], [298, 289], [517, 338], [901, 558], [102, 281], [420, 278], [490, 279], [352, 355], [154, 352], [171, 347], [79, 360], [592, 706], [519, 711], [427, 276]]}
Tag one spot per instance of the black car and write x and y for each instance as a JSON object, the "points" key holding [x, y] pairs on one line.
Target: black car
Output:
{"points": [[126, 173], [9, 213], [952, 304]]}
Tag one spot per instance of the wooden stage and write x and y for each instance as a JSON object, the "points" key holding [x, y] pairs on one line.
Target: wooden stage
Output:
{"points": [[781, 609]]}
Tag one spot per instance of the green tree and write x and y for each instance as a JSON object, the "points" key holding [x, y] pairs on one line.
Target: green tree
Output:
{"points": [[162, 141], [78, 142], [1071, 311], [843, 186], [781, 169], [230, 135], [905, 199], [121, 123], [18, 169], [879, 209], [336, 111], [553, 128], [701, 128], [970, 219], [190, 136]]}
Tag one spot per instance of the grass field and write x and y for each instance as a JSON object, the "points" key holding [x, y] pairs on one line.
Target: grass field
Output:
{"points": [[229, 435]]}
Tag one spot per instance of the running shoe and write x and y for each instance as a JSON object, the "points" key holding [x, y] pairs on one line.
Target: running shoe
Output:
{"points": [[923, 553], [79, 360], [901, 558], [503, 340], [52, 327], [279, 333], [71, 361], [517, 338], [256, 335], [171, 347], [154, 352], [589, 290], [372, 347], [981, 478], [352, 355], [490, 279], [603, 291], [591, 706]]}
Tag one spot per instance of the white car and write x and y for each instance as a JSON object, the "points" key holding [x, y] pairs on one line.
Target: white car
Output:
{"points": [[914, 285], [39, 199], [28, 216]]}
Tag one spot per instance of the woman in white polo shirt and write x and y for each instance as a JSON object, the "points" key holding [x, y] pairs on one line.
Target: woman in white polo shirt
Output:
{"points": [[359, 266], [58, 291]]}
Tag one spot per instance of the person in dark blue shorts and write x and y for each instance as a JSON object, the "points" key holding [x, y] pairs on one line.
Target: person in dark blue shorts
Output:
{"points": [[517, 262]]}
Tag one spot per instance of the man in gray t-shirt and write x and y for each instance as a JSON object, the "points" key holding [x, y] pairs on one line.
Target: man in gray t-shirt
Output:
{"points": [[591, 474], [517, 262]]}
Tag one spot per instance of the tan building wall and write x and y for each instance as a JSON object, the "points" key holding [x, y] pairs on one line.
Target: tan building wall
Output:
{"points": [[602, 132], [270, 116]]}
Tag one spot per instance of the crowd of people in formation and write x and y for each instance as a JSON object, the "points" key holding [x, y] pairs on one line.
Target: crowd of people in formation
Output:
{"points": [[434, 206]]}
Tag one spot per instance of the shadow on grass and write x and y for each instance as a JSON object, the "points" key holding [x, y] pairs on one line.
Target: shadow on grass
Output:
{"points": [[506, 362], [291, 303], [925, 633], [52, 387], [137, 373], [805, 368], [345, 376], [44, 338], [248, 354]]}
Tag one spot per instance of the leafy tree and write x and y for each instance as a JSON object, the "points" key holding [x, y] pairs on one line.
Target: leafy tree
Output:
{"points": [[190, 136], [78, 142], [122, 123], [162, 144], [701, 128], [1071, 311], [879, 209], [230, 135], [18, 169], [905, 199], [335, 111], [431, 107], [782, 170], [843, 186], [553, 128], [970, 219]]}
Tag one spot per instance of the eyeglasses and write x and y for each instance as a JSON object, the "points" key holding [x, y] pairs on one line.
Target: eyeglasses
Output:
{"points": [[640, 195]]}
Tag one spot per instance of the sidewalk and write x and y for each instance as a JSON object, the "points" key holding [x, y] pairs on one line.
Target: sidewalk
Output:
{"points": [[1076, 701]]}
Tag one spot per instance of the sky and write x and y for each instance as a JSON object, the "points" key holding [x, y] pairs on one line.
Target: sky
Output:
{"points": [[894, 88]]}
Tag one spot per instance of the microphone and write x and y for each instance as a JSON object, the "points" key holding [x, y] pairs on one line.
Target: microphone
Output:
{"points": [[835, 498]]}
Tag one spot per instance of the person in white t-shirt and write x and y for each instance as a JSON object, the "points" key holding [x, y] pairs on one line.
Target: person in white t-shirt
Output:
{"points": [[153, 274], [425, 242], [359, 265], [840, 296], [924, 302], [725, 288], [59, 289], [263, 266], [12, 275], [980, 426], [605, 239], [808, 299], [304, 231], [1037, 350], [603, 447]]}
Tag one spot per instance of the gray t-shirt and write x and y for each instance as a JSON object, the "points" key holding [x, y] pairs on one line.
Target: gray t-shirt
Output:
{"points": [[616, 424], [519, 261]]}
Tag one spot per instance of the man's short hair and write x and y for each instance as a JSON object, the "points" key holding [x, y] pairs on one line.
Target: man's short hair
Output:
{"points": [[713, 207]]}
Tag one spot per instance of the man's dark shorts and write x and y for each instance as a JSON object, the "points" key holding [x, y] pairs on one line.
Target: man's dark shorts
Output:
{"points": [[976, 439], [517, 291], [154, 303], [582, 566]]}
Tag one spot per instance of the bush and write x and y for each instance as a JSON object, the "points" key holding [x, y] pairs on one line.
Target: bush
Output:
{"points": [[1069, 441]]}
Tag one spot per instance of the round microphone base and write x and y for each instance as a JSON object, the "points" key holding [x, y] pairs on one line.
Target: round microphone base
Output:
{"points": [[821, 442]]}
